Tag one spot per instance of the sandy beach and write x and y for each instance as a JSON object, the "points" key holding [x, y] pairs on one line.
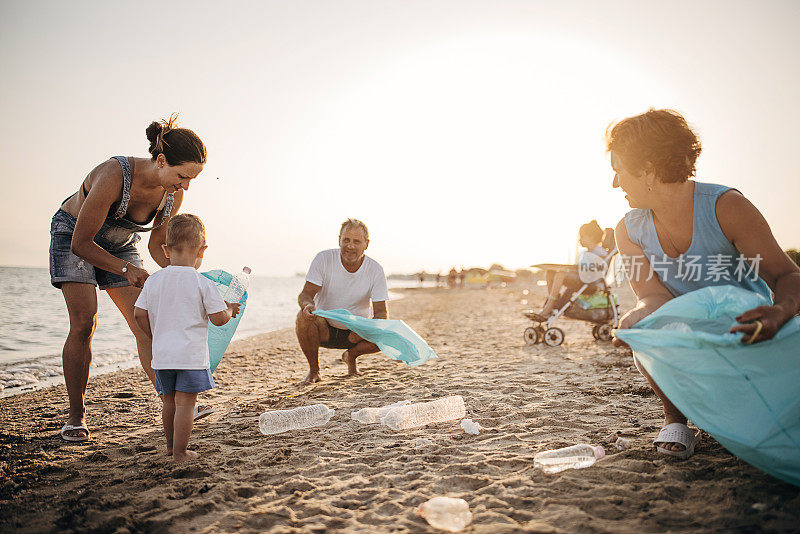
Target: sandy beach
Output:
{"points": [[349, 477]]}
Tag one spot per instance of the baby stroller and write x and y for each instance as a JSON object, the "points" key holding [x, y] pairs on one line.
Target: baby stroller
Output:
{"points": [[594, 302]]}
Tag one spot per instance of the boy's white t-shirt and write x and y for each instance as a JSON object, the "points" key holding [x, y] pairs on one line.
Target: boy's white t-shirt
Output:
{"points": [[178, 300], [343, 289]]}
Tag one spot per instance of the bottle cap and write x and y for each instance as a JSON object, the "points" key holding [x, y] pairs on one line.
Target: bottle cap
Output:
{"points": [[599, 452], [246, 270]]}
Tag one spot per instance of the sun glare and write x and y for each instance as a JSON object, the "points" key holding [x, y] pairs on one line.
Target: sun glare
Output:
{"points": [[481, 150]]}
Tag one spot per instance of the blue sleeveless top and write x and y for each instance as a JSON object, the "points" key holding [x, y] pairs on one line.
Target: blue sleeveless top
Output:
{"points": [[711, 260]]}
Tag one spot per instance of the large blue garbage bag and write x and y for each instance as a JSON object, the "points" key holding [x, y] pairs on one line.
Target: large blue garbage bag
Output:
{"points": [[395, 338], [219, 337], [746, 396]]}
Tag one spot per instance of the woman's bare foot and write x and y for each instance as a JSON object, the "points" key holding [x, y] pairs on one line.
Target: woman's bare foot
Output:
{"points": [[311, 377], [188, 456], [350, 360]]}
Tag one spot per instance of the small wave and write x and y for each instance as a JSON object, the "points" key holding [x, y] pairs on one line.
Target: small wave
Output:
{"points": [[25, 375]]}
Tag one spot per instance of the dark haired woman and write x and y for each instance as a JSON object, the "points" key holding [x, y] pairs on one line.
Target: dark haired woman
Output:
{"points": [[93, 244], [684, 235]]}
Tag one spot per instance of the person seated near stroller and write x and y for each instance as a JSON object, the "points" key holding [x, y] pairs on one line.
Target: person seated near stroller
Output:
{"points": [[562, 284]]}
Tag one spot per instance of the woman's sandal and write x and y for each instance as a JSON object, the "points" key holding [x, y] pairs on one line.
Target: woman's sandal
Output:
{"points": [[678, 433], [202, 411], [71, 428]]}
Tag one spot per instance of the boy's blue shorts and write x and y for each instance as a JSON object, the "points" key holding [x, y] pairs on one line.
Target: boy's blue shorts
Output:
{"points": [[168, 381]]}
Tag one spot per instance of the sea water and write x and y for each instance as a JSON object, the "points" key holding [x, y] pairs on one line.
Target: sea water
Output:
{"points": [[34, 325]]}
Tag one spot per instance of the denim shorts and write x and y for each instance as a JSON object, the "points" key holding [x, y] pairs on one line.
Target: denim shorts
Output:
{"points": [[67, 267], [168, 381]]}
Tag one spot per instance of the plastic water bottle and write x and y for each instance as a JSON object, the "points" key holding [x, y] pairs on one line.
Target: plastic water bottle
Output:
{"points": [[423, 413], [446, 513], [573, 457], [277, 421], [374, 415], [237, 286]]}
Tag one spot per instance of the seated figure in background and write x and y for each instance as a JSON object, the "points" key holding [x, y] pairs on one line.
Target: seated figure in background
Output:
{"points": [[563, 283]]}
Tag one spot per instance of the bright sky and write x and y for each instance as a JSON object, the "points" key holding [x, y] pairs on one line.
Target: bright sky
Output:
{"points": [[462, 132]]}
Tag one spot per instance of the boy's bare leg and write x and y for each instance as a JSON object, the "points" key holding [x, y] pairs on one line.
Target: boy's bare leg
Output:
{"points": [[184, 417], [168, 419], [362, 347]]}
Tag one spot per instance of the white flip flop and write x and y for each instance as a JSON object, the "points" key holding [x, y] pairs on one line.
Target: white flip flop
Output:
{"points": [[199, 414], [678, 433], [67, 428]]}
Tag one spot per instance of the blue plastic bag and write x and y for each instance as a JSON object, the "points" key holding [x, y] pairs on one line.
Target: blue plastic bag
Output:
{"points": [[395, 338], [746, 396], [219, 337]]}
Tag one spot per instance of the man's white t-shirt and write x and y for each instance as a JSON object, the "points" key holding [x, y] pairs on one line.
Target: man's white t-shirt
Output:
{"points": [[343, 289], [178, 300]]}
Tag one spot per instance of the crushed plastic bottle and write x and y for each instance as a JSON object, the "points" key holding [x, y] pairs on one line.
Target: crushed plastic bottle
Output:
{"points": [[470, 426], [446, 513], [421, 443], [238, 286], [573, 457], [374, 415], [423, 413], [622, 444], [277, 421]]}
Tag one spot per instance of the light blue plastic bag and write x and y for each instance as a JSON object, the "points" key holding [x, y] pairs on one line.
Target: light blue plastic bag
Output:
{"points": [[746, 396], [219, 337], [395, 338]]}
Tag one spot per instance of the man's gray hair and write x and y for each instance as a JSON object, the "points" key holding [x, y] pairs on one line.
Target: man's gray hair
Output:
{"points": [[354, 223]]}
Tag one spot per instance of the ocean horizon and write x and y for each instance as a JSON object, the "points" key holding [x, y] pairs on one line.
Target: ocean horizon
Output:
{"points": [[35, 325]]}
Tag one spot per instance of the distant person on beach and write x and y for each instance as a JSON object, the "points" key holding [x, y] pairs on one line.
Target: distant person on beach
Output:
{"points": [[562, 284], [451, 278], [173, 310], [340, 278], [683, 235], [93, 243]]}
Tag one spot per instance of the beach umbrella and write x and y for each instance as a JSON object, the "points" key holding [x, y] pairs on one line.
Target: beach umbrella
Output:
{"points": [[746, 396], [395, 338]]}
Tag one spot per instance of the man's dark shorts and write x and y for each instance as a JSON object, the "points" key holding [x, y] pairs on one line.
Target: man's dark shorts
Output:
{"points": [[338, 339]]}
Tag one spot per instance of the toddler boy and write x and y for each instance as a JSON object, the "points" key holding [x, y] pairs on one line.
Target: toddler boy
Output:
{"points": [[173, 309]]}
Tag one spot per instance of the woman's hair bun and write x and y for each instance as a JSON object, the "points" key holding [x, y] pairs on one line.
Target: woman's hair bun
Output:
{"points": [[153, 131], [177, 144]]}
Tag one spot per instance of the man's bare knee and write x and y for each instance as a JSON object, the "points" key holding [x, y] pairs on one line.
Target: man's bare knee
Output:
{"points": [[364, 347], [316, 327], [354, 338]]}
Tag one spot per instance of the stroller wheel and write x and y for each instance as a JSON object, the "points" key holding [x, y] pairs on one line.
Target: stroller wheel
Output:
{"points": [[594, 332], [531, 336], [604, 332], [554, 337]]}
